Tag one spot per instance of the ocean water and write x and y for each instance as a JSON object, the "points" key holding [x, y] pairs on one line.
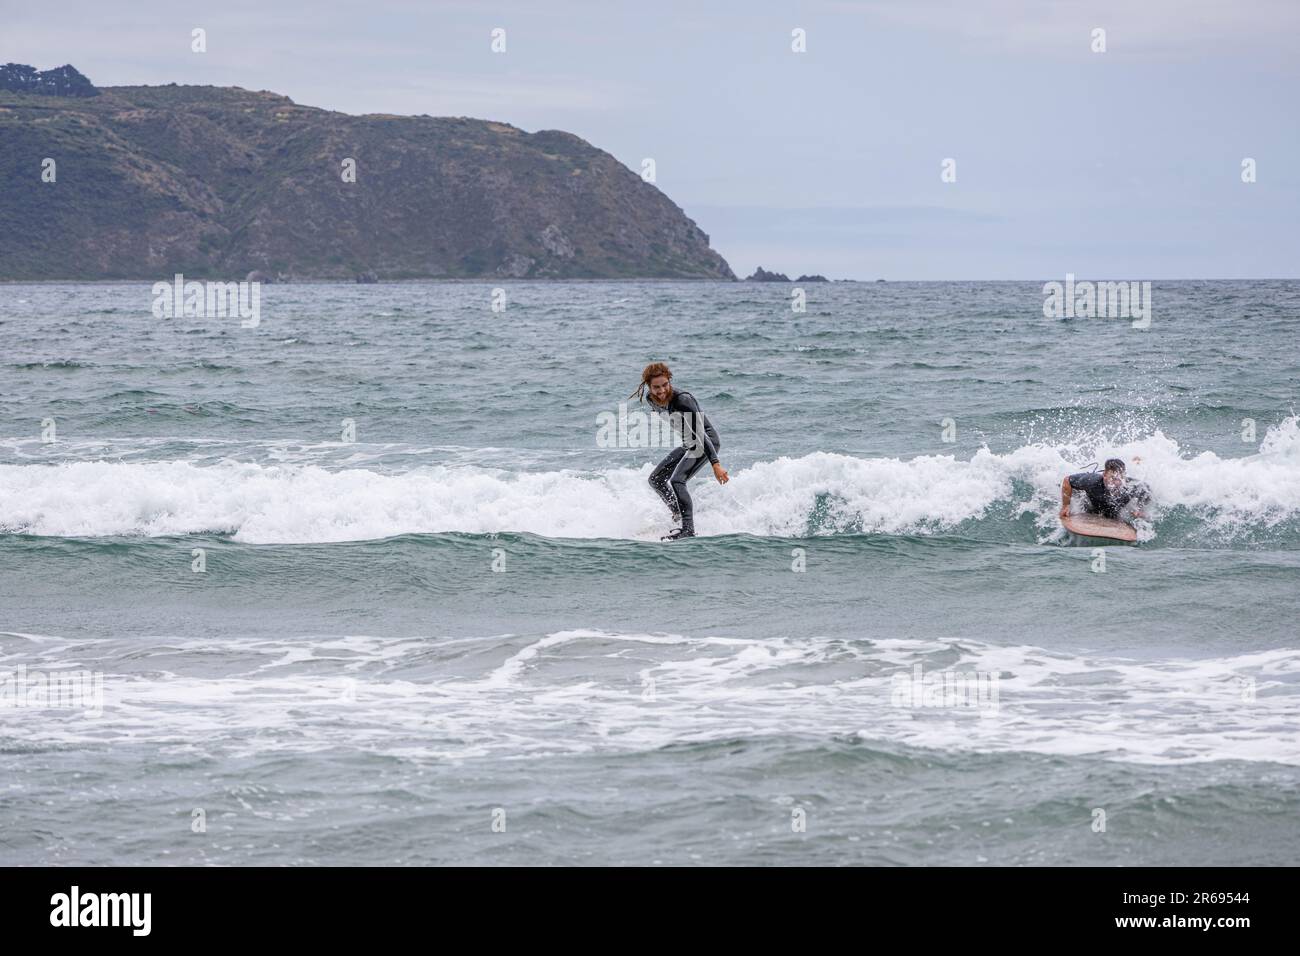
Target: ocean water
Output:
{"points": [[455, 637]]}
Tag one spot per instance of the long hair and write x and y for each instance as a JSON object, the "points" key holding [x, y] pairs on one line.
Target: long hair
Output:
{"points": [[653, 370]]}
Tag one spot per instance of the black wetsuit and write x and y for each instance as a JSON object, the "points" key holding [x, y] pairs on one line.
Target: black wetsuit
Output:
{"points": [[699, 444], [1102, 500]]}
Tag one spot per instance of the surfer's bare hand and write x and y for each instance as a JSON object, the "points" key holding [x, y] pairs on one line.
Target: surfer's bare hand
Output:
{"points": [[720, 473]]}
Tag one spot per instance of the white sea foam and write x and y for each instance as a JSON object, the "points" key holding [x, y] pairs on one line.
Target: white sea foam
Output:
{"points": [[583, 691], [822, 492]]}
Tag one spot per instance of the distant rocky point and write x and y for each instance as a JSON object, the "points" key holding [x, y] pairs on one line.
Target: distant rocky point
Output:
{"points": [[762, 275], [218, 182]]}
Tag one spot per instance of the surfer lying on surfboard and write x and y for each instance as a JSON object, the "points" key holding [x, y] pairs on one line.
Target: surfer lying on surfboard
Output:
{"points": [[1109, 493], [699, 444]]}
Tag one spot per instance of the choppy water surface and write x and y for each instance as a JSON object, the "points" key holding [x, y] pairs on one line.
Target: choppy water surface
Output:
{"points": [[467, 609]]}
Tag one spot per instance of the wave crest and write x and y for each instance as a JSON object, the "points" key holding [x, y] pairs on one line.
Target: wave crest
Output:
{"points": [[821, 493]]}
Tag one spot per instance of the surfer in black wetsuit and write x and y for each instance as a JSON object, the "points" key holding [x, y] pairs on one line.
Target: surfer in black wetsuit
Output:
{"points": [[699, 444], [1109, 492]]}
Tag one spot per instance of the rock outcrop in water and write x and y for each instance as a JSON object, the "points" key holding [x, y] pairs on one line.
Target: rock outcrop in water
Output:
{"points": [[217, 182], [762, 275]]}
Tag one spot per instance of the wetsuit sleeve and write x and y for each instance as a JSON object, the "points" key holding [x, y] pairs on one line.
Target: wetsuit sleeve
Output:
{"points": [[1138, 492], [1084, 480], [692, 408]]}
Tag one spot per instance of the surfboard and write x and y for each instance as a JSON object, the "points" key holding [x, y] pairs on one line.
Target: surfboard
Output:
{"points": [[1095, 526]]}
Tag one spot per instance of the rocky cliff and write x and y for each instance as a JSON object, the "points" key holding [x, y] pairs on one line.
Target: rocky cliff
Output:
{"points": [[217, 182]]}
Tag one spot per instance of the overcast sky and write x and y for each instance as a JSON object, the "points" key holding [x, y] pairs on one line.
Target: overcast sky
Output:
{"points": [[1125, 164]]}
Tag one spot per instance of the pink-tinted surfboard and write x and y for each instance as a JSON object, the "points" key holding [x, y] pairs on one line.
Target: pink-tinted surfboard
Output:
{"points": [[1095, 526]]}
